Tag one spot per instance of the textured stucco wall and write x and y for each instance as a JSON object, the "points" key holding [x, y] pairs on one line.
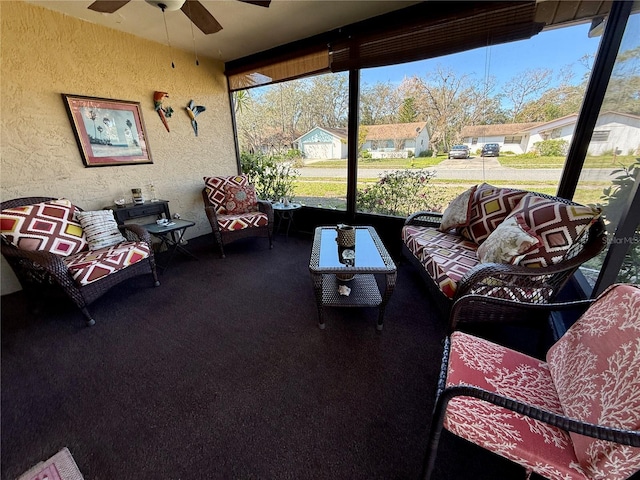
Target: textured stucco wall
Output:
{"points": [[44, 54]]}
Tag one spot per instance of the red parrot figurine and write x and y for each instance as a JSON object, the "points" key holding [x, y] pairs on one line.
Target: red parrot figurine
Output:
{"points": [[164, 113]]}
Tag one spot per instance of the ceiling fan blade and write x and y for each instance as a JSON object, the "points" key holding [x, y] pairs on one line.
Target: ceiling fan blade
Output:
{"points": [[107, 6], [201, 17], [260, 3]]}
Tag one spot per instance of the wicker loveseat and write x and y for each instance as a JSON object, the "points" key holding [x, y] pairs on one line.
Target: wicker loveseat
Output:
{"points": [[51, 244], [503, 243]]}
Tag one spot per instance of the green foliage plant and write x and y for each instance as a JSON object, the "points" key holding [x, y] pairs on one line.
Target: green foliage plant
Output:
{"points": [[614, 199], [552, 148], [273, 177], [401, 193]]}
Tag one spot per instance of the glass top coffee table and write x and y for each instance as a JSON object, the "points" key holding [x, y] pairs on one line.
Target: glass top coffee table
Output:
{"points": [[333, 267]]}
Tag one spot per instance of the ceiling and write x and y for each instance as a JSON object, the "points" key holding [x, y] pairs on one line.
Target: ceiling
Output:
{"points": [[247, 29]]}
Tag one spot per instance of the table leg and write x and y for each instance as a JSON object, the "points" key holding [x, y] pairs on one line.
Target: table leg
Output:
{"points": [[390, 279], [317, 290]]}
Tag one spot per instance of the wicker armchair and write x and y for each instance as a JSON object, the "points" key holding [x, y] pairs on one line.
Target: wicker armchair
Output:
{"points": [[228, 227], [574, 416], [502, 280], [40, 272]]}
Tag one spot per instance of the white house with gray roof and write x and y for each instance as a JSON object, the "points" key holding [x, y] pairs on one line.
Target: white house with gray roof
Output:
{"points": [[613, 131], [382, 141]]}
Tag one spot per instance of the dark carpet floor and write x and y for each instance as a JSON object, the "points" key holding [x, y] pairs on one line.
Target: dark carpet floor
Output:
{"points": [[222, 373]]}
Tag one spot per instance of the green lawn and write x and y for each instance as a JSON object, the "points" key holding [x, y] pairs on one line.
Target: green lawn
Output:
{"points": [[330, 192], [513, 161], [326, 191]]}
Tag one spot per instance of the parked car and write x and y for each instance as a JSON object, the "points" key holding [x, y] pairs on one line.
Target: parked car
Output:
{"points": [[459, 151], [490, 150]]}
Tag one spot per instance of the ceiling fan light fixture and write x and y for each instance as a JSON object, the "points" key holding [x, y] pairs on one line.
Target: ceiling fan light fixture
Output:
{"points": [[168, 5]]}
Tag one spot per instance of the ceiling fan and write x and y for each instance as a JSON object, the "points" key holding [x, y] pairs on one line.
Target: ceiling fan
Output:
{"points": [[193, 9]]}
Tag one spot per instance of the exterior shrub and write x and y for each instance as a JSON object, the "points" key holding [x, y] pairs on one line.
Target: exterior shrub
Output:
{"points": [[401, 193], [614, 199], [273, 178], [425, 153], [552, 148]]}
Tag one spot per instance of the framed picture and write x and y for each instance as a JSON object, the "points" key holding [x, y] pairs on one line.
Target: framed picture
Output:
{"points": [[108, 132]]}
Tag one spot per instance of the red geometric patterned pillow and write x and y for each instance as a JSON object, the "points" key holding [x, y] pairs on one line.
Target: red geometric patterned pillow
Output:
{"points": [[557, 224], [47, 226], [240, 199], [215, 190], [489, 207]]}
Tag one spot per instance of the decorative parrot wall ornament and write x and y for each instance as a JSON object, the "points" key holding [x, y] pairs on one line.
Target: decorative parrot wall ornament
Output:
{"points": [[163, 112], [193, 111]]}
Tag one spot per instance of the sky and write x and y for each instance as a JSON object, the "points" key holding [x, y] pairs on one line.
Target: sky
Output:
{"points": [[552, 49]]}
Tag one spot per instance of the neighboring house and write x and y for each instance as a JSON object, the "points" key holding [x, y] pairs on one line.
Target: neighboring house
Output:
{"points": [[382, 141], [613, 131], [396, 140], [512, 137], [323, 143]]}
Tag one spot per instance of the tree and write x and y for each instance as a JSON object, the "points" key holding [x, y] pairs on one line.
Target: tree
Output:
{"points": [[624, 85], [408, 112], [379, 104], [447, 101], [524, 87]]}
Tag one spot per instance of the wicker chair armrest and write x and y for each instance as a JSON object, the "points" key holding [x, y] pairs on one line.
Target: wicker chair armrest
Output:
{"points": [[424, 219], [610, 434], [265, 207], [135, 233], [504, 274], [212, 217], [481, 308], [37, 260]]}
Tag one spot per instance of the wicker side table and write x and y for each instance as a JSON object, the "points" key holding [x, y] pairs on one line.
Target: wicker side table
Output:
{"points": [[368, 259]]}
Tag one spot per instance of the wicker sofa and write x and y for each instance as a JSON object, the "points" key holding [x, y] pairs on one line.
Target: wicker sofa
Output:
{"points": [[501, 242], [52, 245]]}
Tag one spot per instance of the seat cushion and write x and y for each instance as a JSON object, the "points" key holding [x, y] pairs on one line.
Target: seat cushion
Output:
{"points": [[243, 220], [558, 225], [595, 367], [538, 446], [215, 189], [489, 207], [48, 226], [89, 266], [446, 257]]}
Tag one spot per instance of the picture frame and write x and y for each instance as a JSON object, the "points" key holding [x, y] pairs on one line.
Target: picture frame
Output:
{"points": [[109, 132]]}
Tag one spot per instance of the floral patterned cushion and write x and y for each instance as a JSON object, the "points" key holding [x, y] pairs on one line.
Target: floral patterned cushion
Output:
{"points": [[215, 189], [595, 367], [557, 224], [536, 445], [91, 265], [240, 199], [489, 207], [458, 213], [508, 242], [48, 226]]}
